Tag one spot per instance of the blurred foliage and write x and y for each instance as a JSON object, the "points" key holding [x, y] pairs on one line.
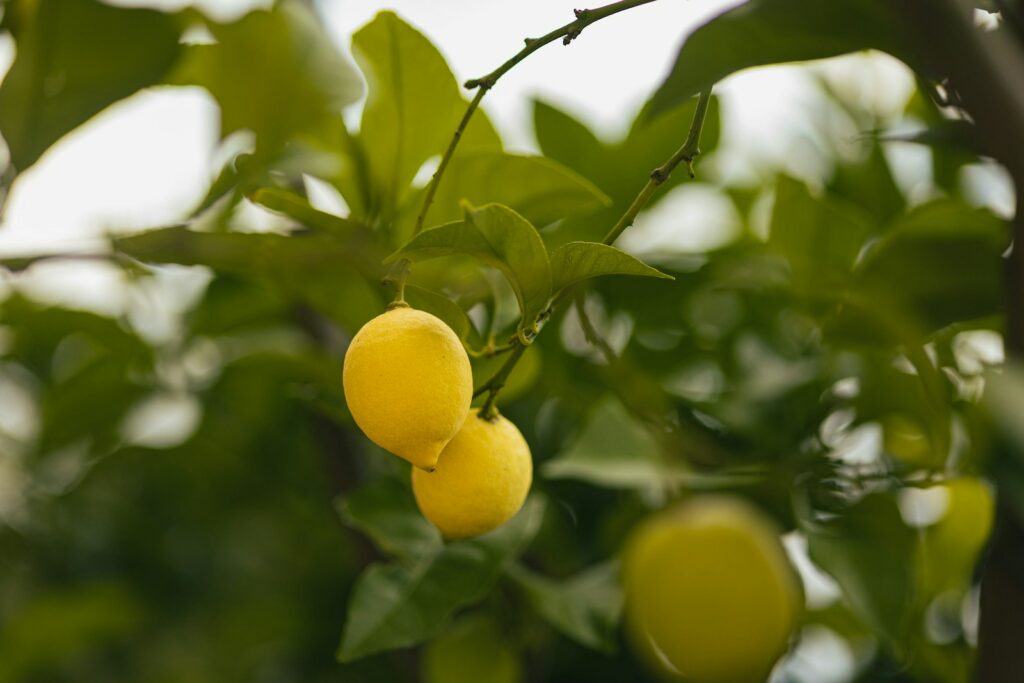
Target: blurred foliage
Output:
{"points": [[826, 363]]}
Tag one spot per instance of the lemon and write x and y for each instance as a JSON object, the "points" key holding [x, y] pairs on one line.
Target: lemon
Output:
{"points": [[471, 651], [481, 478], [408, 383], [710, 594]]}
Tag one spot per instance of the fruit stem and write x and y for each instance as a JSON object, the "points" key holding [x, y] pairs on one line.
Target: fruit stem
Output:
{"points": [[688, 152], [397, 276], [494, 385]]}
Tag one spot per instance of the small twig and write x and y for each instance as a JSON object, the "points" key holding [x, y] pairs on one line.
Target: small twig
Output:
{"points": [[687, 153], [490, 350], [495, 384], [590, 332], [568, 33], [435, 180]]}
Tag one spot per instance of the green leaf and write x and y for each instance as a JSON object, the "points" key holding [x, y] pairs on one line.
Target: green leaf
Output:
{"points": [[585, 607], [870, 185], [385, 511], [395, 606], [543, 191], [412, 109], [298, 208], [621, 168], [939, 264], [578, 261], [261, 254], [613, 451], [565, 139], [870, 552], [763, 32], [274, 72], [820, 238], [74, 58], [498, 237], [442, 307]]}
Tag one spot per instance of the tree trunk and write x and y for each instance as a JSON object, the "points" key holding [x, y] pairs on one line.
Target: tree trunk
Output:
{"points": [[987, 71]]}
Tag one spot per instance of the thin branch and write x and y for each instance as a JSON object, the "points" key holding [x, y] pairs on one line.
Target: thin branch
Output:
{"points": [[490, 350], [590, 332], [435, 180], [569, 32], [688, 152]]}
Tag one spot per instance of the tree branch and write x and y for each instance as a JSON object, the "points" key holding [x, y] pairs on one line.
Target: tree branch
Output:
{"points": [[572, 30], [688, 152]]}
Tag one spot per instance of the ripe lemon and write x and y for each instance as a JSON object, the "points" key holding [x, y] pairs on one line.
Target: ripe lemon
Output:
{"points": [[710, 594], [481, 479], [408, 383]]}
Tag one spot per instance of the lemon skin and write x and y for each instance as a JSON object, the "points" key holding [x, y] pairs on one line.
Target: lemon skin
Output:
{"points": [[481, 479], [408, 383], [710, 594]]}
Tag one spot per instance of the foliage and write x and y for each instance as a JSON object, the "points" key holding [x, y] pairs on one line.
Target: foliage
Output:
{"points": [[845, 312]]}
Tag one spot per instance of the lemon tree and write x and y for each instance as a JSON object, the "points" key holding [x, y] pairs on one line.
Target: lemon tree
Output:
{"points": [[789, 451]]}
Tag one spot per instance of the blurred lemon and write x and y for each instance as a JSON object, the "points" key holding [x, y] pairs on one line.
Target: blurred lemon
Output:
{"points": [[481, 479], [949, 549], [471, 651], [905, 438], [408, 383], [710, 594]]}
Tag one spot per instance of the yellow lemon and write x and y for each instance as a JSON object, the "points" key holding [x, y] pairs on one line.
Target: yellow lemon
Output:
{"points": [[710, 594], [481, 479], [408, 383]]}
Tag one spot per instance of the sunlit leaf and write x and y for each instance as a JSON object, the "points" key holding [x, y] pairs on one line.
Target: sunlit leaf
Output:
{"points": [[499, 237], [578, 261], [274, 72], [541, 190], [73, 59], [299, 209], [252, 253], [412, 109]]}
